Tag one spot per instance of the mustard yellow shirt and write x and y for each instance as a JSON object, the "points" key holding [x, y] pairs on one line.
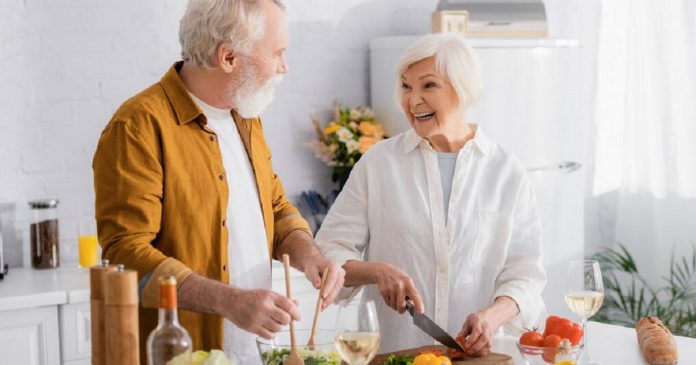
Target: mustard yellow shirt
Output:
{"points": [[161, 197]]}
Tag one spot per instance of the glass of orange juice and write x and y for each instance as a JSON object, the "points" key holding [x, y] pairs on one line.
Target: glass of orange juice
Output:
{"points": [[87, 244]]}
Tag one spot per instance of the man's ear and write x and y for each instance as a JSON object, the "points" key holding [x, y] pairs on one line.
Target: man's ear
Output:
{"points": [[227, 58]]}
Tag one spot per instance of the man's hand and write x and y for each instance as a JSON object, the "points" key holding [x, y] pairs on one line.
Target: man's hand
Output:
{"points": [[395, 285], [314, 268], [262, 312]]}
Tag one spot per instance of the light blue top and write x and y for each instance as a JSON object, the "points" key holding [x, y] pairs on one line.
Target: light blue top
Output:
{"points": [[447, 162]]}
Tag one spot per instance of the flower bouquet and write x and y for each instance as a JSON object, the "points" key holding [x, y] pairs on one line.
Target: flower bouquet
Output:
{"points": [[342, 142]]}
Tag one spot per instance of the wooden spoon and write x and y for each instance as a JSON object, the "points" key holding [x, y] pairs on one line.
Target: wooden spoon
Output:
{"points": [[311, 345], [293, 358]]}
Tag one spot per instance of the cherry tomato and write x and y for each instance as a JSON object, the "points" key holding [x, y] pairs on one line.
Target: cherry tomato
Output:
{"points": [[455, 355], [564, 328], [552, 341], [549, 355], [532, 338]]}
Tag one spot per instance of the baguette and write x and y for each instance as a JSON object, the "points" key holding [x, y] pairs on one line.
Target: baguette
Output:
{"points": [[656, 342]]}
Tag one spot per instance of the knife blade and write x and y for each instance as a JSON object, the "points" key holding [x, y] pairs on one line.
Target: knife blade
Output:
{"points": [[431, 328]]}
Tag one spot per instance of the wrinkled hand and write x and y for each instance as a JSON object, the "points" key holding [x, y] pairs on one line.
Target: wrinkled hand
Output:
{"points": [[262, 312], [395, 285], [478, 331], [314, 269]]}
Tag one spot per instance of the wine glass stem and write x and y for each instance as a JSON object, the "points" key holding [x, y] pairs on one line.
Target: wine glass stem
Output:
{"points": [[585, 358]]}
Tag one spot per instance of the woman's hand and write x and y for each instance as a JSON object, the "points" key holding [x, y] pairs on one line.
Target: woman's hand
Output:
{"points": [[395, 286], [478, 332], [480, 327]]}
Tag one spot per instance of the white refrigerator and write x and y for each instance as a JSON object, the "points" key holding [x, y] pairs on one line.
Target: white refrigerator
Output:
{"points": [[533, 107]]}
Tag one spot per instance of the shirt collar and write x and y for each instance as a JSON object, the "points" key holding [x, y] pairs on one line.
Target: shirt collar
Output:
{"points": [[412, 140], [185, 108], [480, 141]]}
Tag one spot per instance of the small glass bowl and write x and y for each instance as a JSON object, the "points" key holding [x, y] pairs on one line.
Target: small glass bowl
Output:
{"points": [[534, 355], [273, 352]]}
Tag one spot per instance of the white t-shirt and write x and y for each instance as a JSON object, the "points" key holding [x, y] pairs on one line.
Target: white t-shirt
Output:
{"points": [[391, 209], [249, 261]]}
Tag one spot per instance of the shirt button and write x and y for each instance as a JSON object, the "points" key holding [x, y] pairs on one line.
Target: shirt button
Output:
{"points": [[224, 267], [213, 138], [224, 222], [222, 177]]}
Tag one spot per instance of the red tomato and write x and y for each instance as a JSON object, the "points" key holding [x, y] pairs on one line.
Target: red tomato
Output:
{"points": [[552, 341], [532, 338], [454, 354], [549, 356], [564, 328]]}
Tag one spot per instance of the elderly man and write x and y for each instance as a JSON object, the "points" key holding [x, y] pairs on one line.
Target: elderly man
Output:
{"points": [[185, 186]]}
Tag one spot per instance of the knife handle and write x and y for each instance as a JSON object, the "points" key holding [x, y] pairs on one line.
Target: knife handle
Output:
{"points": [[410, 306]]}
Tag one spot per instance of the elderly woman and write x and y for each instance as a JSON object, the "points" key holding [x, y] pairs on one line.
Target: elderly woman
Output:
{"points": [[440, 213]]}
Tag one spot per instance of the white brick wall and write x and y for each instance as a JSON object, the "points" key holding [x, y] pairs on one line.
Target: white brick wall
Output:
{"points": [[65, 66]]}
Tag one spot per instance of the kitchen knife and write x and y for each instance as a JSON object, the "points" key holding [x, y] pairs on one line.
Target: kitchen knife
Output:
{"points": [[431, 328]]}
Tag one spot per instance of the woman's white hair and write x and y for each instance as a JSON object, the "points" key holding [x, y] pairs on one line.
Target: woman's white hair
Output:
{"points": [[209, 23], [455, 60]]}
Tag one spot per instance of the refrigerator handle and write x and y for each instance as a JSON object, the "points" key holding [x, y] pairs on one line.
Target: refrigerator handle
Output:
{"points": [[563, 167]]}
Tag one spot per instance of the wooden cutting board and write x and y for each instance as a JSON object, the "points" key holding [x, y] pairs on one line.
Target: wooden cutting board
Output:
{"points": [[492, 359]]}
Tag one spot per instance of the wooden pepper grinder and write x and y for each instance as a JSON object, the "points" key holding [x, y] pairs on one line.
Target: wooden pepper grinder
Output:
{"points": [[121, 320], [96, 289]]}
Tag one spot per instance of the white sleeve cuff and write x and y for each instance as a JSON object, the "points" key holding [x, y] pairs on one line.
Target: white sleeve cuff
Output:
{"points": [[531, 306]]}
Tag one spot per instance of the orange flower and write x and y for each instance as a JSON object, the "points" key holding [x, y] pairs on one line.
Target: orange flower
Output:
{"points": [[367, 129], [366, 143]]}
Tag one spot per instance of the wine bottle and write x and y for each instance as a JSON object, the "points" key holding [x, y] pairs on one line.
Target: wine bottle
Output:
{"points": [[169, 339]]}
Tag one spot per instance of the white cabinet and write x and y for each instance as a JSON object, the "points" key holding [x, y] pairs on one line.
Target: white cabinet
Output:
{"points": [[30, 336], [44, 317], [75, 332]]}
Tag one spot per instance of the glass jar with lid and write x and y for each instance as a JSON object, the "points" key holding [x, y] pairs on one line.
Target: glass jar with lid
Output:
{"points": [[45, 252]]}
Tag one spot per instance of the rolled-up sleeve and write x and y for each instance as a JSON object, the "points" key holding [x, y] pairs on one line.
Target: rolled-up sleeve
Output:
{"points": [[286, 218], [128, 182], [523, 276]]}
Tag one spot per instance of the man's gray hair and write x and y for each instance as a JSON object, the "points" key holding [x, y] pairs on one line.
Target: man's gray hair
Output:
{"points": [[209, 23], [455, 59]]}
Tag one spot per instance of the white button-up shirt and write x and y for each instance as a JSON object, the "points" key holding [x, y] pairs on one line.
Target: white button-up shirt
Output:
{"points": [[391, 210]]}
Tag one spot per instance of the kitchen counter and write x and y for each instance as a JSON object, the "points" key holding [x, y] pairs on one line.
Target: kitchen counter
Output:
{"points": [[28, 288], [609, 345]]}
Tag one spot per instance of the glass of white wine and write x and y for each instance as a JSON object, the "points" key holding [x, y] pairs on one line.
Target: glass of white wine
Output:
{"points": [[584, 296], [357, 332]]}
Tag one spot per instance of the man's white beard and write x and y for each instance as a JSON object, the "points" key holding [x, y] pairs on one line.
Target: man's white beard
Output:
{"points": [[251, 99]]}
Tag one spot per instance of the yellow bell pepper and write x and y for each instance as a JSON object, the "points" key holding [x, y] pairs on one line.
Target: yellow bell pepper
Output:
{"points": [[431, 359]]}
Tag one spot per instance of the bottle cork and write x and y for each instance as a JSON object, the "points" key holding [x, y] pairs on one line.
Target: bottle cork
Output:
{"points": [[167, 292], [121, 317], [96, 290]]}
